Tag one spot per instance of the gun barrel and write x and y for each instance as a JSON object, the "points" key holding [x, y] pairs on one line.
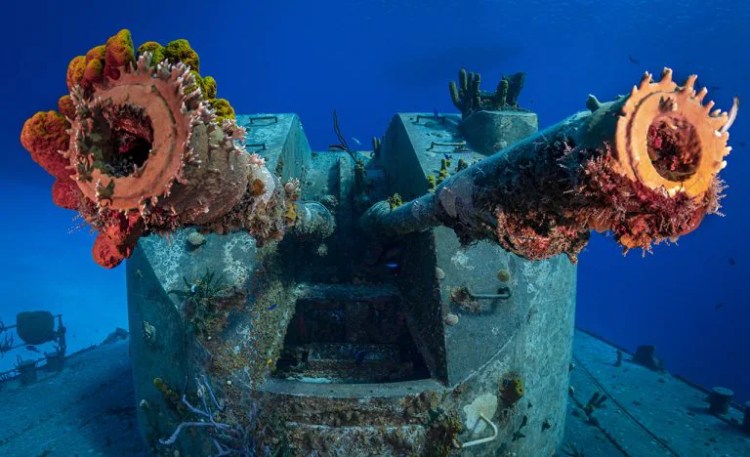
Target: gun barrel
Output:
{"points": [[139, 149], [644, 166]]}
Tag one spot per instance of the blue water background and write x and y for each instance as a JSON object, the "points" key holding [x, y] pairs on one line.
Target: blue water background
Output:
{"points": [[369, 60]]}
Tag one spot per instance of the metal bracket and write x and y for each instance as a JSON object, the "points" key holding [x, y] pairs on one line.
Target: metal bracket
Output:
{"points": [[438, 117], [262, 146], [502, 293], [487, 439], [275, 119], [457, 147]]}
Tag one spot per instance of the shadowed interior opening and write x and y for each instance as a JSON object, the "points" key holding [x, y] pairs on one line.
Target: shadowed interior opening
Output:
{"points": [[350, 341], [123, 141], [674, 147]]}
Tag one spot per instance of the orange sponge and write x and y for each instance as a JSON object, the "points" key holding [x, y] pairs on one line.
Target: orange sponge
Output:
{"points": [[44, 135], [119, 53]]}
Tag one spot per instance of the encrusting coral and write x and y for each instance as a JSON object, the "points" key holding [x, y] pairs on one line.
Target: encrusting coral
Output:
{"points": [[468, 97], [141, 144]]}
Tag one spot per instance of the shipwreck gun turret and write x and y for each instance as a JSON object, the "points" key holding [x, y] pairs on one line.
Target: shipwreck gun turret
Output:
{"points": [[409, 344], [644, 166]]}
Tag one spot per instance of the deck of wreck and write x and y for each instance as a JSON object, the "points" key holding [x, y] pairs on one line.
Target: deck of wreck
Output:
{"points": [[88, 409]]}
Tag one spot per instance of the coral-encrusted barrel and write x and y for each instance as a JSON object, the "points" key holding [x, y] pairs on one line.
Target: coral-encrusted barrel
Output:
{"points": [[142, 144], [644, 166]]}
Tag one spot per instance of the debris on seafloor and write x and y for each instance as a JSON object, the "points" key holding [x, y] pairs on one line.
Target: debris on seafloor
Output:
{"points": [[116, 335], [595, 402], [719, 399], [618, 360], [646, 355], [572, 450], [27, 371], [33, 329]]}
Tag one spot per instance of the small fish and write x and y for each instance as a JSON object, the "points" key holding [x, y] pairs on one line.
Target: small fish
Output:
{"points": [[732, 262], [356, 141], [272, 307], [32, 349], [392, 265], [447, 156], [436, 113], [718, 306], [193, 288], [742, 144], [633, 60]]}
